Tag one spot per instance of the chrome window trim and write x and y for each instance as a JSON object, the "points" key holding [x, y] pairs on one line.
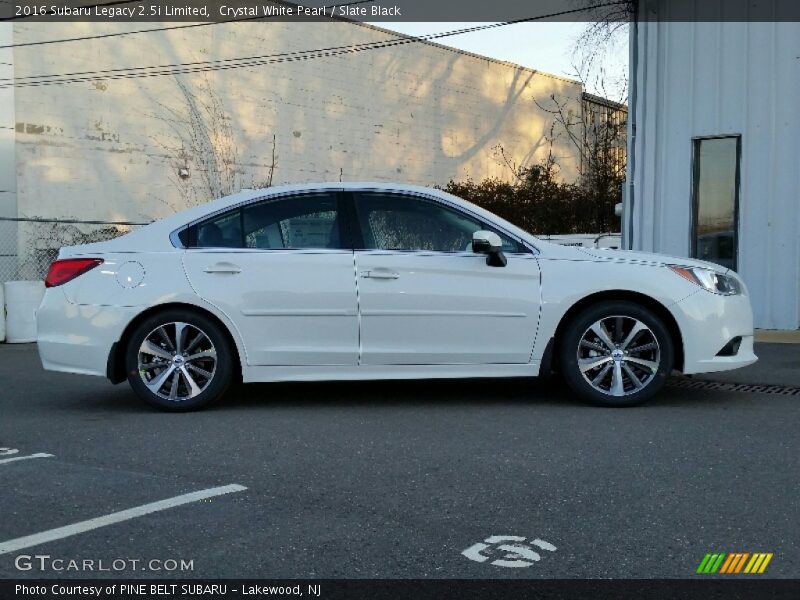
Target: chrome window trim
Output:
{"points": [[455, 254], [224, 250], [173, 236]]}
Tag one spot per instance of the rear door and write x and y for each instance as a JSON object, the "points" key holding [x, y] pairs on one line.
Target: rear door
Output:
{"points": [[282, 270]]}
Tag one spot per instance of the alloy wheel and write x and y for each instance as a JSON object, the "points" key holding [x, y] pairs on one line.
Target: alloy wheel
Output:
{"points": [[618, 355], [177, 361]]}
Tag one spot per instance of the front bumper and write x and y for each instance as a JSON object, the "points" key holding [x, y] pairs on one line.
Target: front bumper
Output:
{"points": [[77, 338], [708, 322]]}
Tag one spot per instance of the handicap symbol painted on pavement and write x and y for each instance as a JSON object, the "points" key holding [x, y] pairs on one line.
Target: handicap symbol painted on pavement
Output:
{"points": [[510, 550]]}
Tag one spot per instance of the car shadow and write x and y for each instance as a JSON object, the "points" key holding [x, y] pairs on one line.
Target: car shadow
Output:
{"points": [[433, 392]]}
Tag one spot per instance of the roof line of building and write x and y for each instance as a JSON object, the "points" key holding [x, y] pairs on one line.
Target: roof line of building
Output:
{"points": [[464, 52], [604, 101]]}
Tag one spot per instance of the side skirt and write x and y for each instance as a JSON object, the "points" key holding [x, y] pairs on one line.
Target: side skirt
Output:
{"points": [[371, 372]]}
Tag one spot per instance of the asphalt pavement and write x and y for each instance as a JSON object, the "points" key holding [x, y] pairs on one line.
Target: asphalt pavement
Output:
{"points": [[392, 479]]}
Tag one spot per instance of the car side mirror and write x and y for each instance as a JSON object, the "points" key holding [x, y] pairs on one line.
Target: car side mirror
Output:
{"points": [[490, 244]]}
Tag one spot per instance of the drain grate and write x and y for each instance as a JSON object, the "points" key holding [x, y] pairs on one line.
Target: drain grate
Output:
{"points": [[694, 384]]}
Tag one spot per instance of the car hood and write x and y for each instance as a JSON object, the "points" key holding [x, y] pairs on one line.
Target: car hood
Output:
{"points": [[649, 258]]}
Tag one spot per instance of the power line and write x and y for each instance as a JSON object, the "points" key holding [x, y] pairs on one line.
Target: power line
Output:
{"points": [[191, 25], [234, 63], [70, 221], [222, 61]]}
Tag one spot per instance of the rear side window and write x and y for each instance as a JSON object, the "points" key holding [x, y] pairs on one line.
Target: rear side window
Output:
{"points": [[295, 222], [224, 231], [308, 221]]}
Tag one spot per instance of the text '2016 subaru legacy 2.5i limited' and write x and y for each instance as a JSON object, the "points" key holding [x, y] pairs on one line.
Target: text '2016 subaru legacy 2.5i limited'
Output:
{"points": [[377, 281]]}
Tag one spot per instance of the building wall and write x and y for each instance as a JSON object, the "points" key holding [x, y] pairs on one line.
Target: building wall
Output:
{"points": [[111, 149], [706, 79]]}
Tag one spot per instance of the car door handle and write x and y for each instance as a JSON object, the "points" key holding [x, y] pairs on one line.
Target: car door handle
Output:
{"points": [[380, 274], [223, 268]]}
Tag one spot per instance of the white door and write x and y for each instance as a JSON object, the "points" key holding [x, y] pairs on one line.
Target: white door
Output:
{"points": [[282, 271], [425, 298]]}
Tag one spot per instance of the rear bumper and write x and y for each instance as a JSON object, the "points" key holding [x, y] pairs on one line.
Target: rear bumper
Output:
{"points": [[707, 323], [77, 338]]}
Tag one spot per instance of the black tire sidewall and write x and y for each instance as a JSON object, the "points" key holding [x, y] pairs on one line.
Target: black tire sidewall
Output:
{"points": [[574, 331], [224, 367]]}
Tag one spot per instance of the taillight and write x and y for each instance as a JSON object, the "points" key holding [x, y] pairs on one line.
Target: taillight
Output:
{"points": [[67, 269]]}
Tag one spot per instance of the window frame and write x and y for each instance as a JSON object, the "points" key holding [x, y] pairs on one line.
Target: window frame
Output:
{"points": [[358, 237], [695, 199]]}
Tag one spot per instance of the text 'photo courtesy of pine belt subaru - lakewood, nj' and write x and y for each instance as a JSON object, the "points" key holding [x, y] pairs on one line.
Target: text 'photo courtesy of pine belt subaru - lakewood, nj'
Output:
{"points": [[351, 281]]}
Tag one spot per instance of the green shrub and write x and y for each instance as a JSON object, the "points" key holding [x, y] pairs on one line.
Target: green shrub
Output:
{"points": [[540, 204]]}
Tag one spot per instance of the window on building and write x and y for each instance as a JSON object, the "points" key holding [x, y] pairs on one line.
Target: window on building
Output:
{"points": [[716, 199]]}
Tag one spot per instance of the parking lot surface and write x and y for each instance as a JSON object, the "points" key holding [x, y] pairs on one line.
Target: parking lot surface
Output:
{"points": [[391, 479]]}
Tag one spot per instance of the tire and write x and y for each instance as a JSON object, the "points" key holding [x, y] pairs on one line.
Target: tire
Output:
{"points": [[203, 368], [606, 368]]}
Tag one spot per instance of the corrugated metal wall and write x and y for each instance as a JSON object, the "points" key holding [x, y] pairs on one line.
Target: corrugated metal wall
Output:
{"points": [[705, 79]]}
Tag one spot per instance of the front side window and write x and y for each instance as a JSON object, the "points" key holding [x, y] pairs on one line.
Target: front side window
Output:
{"points": [[308, 221], [716, 197], [398, 222]]}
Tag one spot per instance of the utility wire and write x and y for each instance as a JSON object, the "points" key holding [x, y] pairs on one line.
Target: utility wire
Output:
{"points": [[350, 47], [234, 63]]}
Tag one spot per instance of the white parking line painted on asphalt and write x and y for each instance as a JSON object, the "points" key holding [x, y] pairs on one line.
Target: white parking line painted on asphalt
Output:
{"points": [[117, 517], [16, 458]]}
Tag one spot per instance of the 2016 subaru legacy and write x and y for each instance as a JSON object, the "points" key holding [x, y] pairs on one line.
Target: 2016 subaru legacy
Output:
{"points": [[354, 281]]}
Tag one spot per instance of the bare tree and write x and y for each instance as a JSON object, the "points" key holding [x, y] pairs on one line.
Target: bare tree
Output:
{"points": [[598, 134], [203, 146], [267, 182], [605, 32]]}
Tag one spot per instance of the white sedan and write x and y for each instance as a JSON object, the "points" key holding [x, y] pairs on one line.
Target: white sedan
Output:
{"points": [[376, 281]]}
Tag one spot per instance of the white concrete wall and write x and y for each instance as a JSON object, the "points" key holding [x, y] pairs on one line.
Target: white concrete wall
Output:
{"points": [[111, 149], [704, 79]]}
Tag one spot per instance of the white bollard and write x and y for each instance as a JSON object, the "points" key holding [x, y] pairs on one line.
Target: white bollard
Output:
{"points": [[22, 300]]}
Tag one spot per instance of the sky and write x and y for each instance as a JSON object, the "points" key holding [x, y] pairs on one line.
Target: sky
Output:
{"points": [[544, 46]]}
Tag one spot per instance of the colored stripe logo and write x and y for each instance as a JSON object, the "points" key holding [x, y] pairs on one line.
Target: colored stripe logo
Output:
{"points": [[728, 563]]}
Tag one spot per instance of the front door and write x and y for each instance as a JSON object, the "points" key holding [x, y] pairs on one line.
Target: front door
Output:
{"points": [[425, 298]]}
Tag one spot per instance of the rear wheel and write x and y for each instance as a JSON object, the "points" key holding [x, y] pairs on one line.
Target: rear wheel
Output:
{"points": [[616, 353], [179, 361]]}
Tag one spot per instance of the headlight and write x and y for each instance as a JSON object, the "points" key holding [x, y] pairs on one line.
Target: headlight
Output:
{"points": [[717, 283]]}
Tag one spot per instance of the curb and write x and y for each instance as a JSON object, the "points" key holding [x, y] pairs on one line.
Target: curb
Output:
{"points": [[777, 336]]}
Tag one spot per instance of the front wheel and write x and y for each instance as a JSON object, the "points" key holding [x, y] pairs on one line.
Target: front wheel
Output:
{"points": [[179, 361], [616, 353]]}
